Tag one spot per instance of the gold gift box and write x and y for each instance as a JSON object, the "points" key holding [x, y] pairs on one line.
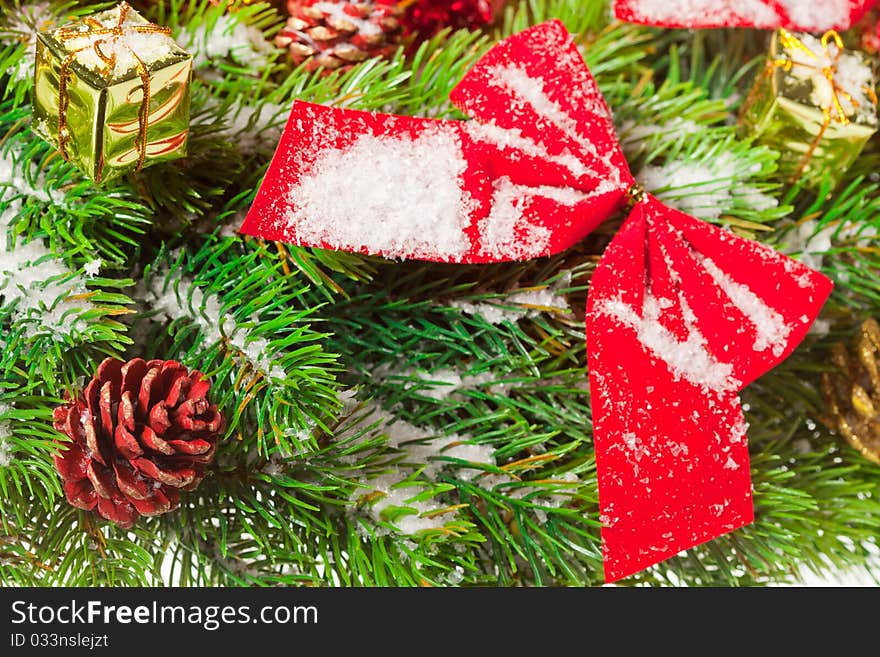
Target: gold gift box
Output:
{"points": [[814, 103], [111, 92]]}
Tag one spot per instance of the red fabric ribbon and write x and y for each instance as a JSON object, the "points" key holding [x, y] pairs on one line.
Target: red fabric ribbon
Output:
{"points": [[797, 15], [681, 314]]}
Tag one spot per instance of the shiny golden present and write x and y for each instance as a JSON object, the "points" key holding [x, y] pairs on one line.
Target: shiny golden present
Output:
{"points": [[111, 93], [814, 103]]}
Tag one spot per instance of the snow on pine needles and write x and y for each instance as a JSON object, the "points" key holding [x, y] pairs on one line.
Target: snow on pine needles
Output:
{"points": [[709, 188], [415, 451], [48, 295], [184, 299], [5, 434]]}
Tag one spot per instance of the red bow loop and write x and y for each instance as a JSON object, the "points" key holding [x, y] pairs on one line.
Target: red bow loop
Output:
{"points": [[797, 15], [680, 316], [535, 84], [544, 126], [751, 304]]}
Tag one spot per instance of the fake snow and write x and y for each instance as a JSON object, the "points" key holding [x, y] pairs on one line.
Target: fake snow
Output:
{"points": [[250, 126], [490, 312], [41, 286], [533, 91], [547, 298], [227, 38], [14, 185], [721, 11], [419, 450], [93, 267], [506, 232], [705, 190], [348, 399], [771, 328], [516, 489], [513, 140], [635, 450], [853, 78], [5, 455], [422, 450], [444, 383], [455, 576], [830, 575], [820, 327], [809, 244], [188, 301], [395, 495], [817, 15], [24, 23], [689, 359], [344, 203], [31, 276], [531, 303], [125, 51], [809, 15], [633, 134]]}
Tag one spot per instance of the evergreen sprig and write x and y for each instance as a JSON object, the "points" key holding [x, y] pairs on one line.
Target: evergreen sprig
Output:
{"points": [[392, 423]]}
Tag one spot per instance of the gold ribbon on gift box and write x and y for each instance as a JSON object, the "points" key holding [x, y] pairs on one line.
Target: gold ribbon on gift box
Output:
{"points": [[102, 37], [841, 105]]}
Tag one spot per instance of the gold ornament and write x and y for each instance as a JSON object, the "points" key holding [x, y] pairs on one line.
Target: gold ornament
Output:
{"points": [[814, 103], [111, 92], [852, 391]]}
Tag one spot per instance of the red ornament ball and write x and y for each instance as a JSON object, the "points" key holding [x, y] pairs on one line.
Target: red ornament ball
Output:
{"points": [[141, 432], [427, 17]]}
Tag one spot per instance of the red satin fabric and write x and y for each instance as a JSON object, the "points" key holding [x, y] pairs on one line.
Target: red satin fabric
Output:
{"points": [[681, 314]]}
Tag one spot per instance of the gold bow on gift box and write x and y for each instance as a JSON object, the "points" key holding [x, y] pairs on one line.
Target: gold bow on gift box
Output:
{"points": [[111, 92], [814, 103]]}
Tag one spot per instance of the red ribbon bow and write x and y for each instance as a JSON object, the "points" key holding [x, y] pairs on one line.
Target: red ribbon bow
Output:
{"points": [[797, 15], [681, 314]]}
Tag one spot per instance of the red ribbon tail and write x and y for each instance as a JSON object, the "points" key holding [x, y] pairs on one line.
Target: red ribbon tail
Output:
{"points": [[681, 315]]}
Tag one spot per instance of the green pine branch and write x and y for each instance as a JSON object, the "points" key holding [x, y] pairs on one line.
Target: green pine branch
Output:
{"points": [[396, 424]]}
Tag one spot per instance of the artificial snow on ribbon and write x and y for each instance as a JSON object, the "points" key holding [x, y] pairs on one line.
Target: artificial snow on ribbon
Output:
{"points": [[681, 314], [800, 15]]}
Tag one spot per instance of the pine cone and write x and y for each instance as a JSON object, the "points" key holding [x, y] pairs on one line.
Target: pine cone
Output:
{"points": [[141, 432], [852, 392], [336, 34]]}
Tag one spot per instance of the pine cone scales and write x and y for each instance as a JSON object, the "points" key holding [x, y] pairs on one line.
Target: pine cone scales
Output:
{"points": [[335, 34], [141, 432]]}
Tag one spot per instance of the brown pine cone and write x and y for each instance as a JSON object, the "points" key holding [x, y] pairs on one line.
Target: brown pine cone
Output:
{"points": [[141, 432], [336, 34]]}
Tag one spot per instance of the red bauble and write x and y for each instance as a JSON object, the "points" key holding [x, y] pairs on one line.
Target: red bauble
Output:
{"points": [[868, 32], [141, 432], [427, 17]]}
